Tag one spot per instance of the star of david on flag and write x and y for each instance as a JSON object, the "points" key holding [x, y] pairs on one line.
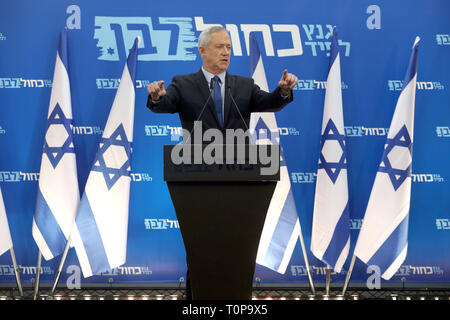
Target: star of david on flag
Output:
{"points": [[331, 133], [111, 174], [330, 236], [100, 231], [383, 239], [58, 119], [397, 175], [58, 194]]}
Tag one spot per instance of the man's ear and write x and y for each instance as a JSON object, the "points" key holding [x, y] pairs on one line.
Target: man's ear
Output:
{"points": [[201, 50]]}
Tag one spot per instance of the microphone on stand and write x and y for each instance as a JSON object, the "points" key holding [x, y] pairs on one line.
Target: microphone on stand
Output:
{"points": [[236, 106], [211, 86]]}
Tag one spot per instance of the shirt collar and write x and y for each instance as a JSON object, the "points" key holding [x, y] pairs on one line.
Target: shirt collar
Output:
{"points": [[209, 76]]}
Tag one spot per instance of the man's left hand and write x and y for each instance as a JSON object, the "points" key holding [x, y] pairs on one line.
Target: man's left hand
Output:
{"points": [[287, 82]]}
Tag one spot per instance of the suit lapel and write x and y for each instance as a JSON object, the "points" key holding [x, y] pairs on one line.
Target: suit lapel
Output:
{"points": [[203, 87]]}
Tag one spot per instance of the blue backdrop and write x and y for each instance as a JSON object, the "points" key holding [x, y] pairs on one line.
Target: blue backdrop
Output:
{"points": [[375, 42]]}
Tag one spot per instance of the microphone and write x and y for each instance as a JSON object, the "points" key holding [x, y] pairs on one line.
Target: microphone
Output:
{"points": [[236, 106], [211, 86]]}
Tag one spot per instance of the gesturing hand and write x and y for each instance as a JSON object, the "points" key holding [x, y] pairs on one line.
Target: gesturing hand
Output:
{"points": [[287, 82], [156, 90]]}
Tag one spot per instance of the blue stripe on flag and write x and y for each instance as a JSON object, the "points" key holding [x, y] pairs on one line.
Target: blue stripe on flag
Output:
{"points": [[334, 50], [62, 48], [412, 67], [392, 247], [339, 240], [282, 233], [254, 53], [48, 226], [132, 61], [92, 240]]}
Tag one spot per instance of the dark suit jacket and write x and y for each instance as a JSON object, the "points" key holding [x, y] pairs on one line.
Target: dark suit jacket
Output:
{"points": [[187, 95]]}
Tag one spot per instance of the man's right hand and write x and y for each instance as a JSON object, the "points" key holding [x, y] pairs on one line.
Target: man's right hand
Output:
{"points": [[156, 90]]}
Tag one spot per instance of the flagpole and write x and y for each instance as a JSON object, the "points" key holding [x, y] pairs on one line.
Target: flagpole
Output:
{"points": [[61, 265], [349, 274], [38, 275], [305, 257], [16, 271], [328, 280]]}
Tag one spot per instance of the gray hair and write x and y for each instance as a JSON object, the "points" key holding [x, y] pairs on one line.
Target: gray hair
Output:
{"points": [[205, 36]]}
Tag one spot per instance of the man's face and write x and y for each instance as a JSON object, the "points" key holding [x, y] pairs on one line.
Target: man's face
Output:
{"points": [[216, 55]]}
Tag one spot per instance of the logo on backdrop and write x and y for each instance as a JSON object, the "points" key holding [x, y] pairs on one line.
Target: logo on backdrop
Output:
{"points": [[2, 37], [314, 85], [360, 131], [86, 130], [443, 224], [2, 131], [441, 39], [174, 38], [161, 224], [408, 270], [303, 177], [397, 85], [103, 83], [443, 132], [300, 270], [17, 83], [19, 176], [8, 270], [176, 133]]}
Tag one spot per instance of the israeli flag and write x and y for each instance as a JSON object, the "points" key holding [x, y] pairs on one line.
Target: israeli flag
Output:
{"points": [[383, 239], [5, 235], [101, 226], [282, 226], [58, 194], [330, 236]]}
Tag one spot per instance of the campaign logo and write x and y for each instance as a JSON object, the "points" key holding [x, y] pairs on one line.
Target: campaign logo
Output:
{"points": [[443, 39], [314, 85], [8, 270], [18, 176], [86, 130], [161, 224], [408, 270], [303, 177], [2, 131], [288, 131], [105, 83], [443, 132], [127, 270], [426, 177], [175, 38], [443, 224], [299, 271], [397, 85], [361, 131], [2, 37], [319, 39], [17, 83], [141, 177], [175, 133]]}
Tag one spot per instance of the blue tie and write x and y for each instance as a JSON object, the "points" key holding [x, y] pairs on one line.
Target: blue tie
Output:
{"points": [[218, 99]]}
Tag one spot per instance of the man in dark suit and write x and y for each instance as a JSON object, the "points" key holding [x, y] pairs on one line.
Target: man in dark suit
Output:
{"points": [[213, 96], [216, 98]]}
